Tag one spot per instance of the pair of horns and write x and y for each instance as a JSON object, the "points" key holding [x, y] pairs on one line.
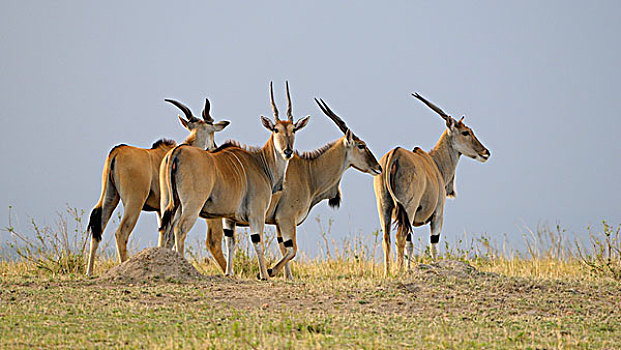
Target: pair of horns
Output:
{"points": [[335, 118], [188, 113], [289, 107]]}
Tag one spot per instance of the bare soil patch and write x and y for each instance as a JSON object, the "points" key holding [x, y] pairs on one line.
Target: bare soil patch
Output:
{"points": [[153, 265]]}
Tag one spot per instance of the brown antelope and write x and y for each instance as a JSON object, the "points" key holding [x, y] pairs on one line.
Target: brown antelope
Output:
{"points": [[233, 182], [311, 177], [415, 184], [131, 174]]}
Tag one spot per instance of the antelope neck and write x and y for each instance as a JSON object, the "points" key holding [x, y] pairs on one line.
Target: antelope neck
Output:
{"points": [[445, 157], [273, 164], [327, 169], [200, 142]]}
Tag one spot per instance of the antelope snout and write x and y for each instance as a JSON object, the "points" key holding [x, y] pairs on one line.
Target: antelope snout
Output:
{"points": [[377, 170], [288, 152], [485, 154]]}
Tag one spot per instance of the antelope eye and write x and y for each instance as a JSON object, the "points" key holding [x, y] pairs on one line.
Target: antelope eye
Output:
{"points": [[465, 133], [361, 146], [275, 131]]}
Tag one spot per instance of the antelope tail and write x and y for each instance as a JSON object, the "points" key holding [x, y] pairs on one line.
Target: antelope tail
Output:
{"points": [[94, 224], [169, 190], [108, 191], [402, 221]]}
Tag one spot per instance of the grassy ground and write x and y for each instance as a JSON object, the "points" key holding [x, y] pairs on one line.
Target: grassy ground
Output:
{"points": [[551, 300], [331, 305]]}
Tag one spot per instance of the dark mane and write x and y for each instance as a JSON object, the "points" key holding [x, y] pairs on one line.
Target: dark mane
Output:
{"points": [[163, 142], [233, 143], [118, 146], [336, 201], [310, 155]]}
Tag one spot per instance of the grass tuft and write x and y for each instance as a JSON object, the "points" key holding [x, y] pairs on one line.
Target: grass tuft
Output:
{"points": [[59, 249], [604, 258]]}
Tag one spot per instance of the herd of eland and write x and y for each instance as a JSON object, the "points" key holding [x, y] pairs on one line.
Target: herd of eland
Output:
{"points": [[236, 185]]}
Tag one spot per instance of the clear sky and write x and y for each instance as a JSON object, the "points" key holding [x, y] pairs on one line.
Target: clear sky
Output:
{"points": [[538, 81]]}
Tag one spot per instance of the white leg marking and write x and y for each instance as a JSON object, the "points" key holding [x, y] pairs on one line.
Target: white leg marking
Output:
{"points": [[230, 251], [410, 250]]}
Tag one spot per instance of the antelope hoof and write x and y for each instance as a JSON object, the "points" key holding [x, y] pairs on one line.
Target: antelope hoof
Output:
{"points": [[269, 273]]}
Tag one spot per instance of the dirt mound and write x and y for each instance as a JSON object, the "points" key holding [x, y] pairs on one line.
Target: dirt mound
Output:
{"points": [[448, 268], [153, 264]]}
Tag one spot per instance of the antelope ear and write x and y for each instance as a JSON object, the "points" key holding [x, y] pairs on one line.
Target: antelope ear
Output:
{"points": [[268, 124], [219, 126], [450, 123], [184, 122], [349, 138], [301, 123]]}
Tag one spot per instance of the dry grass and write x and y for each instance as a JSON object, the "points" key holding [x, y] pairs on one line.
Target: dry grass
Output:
{"points": [[554, 295]]}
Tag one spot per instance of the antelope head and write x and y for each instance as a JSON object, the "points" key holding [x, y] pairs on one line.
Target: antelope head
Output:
{"points": [[358, 154], [202, 129], [462, 138], [283, 131]]}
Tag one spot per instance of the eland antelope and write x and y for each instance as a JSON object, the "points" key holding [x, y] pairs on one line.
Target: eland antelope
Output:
{"points": [[233, 182], [131, 174], [415, 183], [311, 177]]}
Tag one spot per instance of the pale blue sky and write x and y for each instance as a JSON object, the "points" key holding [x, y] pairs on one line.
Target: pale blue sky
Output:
{"points": [[538, 81]]}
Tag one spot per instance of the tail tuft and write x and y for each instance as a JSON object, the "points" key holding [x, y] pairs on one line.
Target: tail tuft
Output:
{"points": [[94, 224], [402, 221], [166, 219]]}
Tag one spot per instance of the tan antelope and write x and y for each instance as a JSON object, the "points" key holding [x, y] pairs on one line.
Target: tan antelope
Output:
{"points": [[131, 174], [311, 177], [233, 182], [415, 184]]}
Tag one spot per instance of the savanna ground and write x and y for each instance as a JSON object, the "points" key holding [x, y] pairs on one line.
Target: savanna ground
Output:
{"points": [[550, 297]]}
